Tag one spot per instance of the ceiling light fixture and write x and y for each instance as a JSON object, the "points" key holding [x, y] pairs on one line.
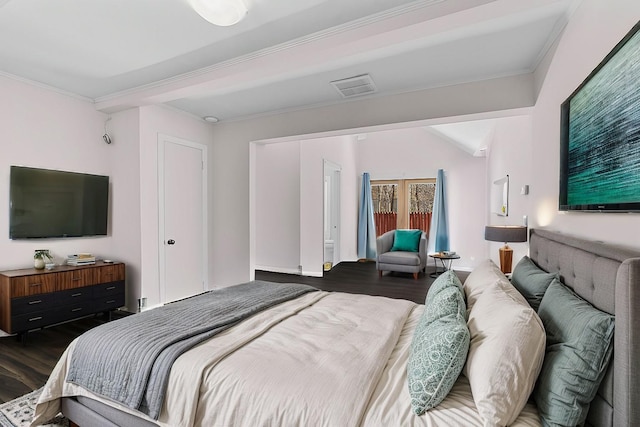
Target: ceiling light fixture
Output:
{"points": [[211, 119], [220, 12]]}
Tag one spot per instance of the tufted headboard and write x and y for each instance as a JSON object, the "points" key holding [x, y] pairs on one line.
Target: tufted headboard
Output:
{"points": [[609, 278]]}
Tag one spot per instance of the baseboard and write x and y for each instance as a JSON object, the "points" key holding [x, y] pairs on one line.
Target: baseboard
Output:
{"points": [[289, 271], [278, 269], [312, 273]]}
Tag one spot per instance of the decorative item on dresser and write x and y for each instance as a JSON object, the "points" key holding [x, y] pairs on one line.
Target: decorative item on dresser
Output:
{"points": [[32, 299]]}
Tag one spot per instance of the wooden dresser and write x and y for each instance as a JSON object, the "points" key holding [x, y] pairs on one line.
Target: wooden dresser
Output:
{"points": [[32, 299]]}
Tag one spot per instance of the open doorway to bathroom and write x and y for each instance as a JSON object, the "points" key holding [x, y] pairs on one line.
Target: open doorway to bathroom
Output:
{"points": [[331, 214]]}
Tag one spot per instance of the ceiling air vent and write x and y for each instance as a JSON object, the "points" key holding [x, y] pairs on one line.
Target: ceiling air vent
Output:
{"points": [[355, 86]]}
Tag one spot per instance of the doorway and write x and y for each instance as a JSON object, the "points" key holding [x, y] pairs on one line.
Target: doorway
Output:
{"points": [[331, 214], [182, 177]]}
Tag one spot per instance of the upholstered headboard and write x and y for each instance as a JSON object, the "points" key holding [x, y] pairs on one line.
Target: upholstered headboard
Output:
{"points": [[609, 278]]}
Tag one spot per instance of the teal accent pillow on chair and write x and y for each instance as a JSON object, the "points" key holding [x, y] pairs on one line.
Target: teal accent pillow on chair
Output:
{"points": [[406, 240], [579, 347]]}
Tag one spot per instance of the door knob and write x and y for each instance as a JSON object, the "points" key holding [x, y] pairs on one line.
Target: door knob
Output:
{"points": [[171, 242]]}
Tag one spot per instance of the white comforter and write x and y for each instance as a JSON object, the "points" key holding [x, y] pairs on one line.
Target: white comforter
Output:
{"points": [[324, 359]]}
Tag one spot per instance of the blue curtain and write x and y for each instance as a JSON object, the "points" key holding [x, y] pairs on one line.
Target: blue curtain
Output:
{"points": [[366, 224], [439, 238]]}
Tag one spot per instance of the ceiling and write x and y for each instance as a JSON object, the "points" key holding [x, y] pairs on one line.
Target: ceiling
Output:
{"points": [[281, 57]]}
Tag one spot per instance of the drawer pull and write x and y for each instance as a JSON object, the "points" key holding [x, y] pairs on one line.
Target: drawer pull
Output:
{"points": [[111, 301], [38, 301], [76, 309], [35, 284], [77, 294], [75, 279], [110, 288], [33, 319]]}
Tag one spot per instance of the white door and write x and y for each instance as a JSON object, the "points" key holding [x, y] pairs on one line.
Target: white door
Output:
{"points": [[331, 212], [183, 237]]}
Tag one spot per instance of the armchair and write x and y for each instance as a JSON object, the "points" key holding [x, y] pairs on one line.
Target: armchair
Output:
{"points": [[402, 261]]}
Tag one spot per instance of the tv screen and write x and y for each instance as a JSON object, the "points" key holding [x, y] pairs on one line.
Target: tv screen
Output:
{"points": [[50, 203], [600, 135]]}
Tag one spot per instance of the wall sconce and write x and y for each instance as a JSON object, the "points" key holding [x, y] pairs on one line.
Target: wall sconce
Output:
{"points": [[506, 234]]}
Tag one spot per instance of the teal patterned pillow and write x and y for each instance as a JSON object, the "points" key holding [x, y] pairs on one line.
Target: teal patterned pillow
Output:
{"points": [[437, 356], [448, 302], [444, 281]]}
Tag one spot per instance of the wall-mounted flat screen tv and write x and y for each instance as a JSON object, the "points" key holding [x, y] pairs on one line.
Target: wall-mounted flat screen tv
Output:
{"points": [[51, 203], [600, 135]]}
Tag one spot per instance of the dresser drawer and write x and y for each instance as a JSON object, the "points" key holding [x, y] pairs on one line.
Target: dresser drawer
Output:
{"points": [[33, 285], [72, 311], [110, 273], [74, 296], [30, 321], [106, 289], [108, 302], [32, 304], [77, 278]]}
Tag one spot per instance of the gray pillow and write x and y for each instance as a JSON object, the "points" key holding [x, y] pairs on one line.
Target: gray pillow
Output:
{"points": [[437, 355], [531, 281], [578, 350]]}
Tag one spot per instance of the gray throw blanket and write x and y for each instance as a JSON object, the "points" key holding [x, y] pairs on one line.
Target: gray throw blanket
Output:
{"points": [[129, 360]]}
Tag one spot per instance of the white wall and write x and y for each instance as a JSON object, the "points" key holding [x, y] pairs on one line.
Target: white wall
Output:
{"points": [[125, 198], [313, 152], [509, 153], [289, 203], [417, 153], [277, 198], [231, 154], [594, 29], [46, 129]]}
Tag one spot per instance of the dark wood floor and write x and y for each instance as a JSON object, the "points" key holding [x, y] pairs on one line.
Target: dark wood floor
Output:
{"points": [[362, 278], [24, 368]]}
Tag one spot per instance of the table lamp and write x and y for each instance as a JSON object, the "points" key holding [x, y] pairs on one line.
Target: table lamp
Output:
{"points": [[506, 234]]}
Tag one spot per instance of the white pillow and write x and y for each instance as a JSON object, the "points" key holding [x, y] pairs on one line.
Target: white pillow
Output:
{"points": [[483, 276], [505, 355]]}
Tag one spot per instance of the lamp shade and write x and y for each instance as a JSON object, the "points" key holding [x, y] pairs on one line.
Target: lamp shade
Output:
{"points": [[505, 233]]}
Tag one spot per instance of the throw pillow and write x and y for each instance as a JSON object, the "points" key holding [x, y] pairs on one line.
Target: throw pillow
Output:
{"points": [[449, 302], [437, 355], [579, 347], [406, 240], [447, 279], [505, 354], [531, 281], [482, 277]]}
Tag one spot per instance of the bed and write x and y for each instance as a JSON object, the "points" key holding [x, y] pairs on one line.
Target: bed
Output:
{"points": [[339, 359]]}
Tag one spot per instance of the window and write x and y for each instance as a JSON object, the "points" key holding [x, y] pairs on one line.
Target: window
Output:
{"points": [[404, 203]]}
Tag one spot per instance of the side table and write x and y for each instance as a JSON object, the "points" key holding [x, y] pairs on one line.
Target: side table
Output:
{"points": [[445, 261]]}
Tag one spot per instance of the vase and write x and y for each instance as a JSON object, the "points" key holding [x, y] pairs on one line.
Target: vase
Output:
{"points": [[38, 263]]}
